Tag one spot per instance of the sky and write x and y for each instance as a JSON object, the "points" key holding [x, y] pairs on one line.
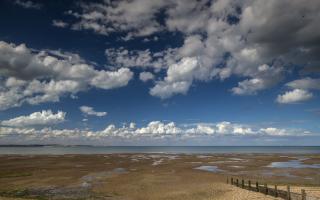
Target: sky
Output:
{"points": [[165, 72]]}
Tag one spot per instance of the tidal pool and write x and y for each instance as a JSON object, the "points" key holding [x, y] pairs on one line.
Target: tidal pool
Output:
{"points": [[297, 164], [284, 174], [209, 168]]}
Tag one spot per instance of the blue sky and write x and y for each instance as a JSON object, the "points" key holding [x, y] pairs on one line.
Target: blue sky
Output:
{"points": [[159, 72]]}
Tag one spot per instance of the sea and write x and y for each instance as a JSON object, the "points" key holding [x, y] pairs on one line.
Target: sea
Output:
{"points": [[61, 150]]}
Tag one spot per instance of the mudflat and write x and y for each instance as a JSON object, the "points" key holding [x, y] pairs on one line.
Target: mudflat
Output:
{"points": [[153, 176]]}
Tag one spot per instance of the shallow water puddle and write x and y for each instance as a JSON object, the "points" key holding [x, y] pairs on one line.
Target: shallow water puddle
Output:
{"points": [[283, 174], [204, 156], [102, 175], [237, 166], [297, 164], [157, 162], [209, 168], [236, 159], [194, 162]]}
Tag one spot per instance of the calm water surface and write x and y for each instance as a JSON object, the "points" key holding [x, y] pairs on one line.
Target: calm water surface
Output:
{"points": [[157, 149], [297, 164], [209, 168]]}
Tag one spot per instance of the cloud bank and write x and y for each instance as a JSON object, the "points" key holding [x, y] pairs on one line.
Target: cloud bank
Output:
{"points": [[155, 131]]}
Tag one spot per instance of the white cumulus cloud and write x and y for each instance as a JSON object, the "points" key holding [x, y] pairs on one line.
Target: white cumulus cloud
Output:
{"points": [[34, 77], [146, 76], [294, 96], [301, 90], [90, 111], [59, 23], [43, 118], [178, 80]]}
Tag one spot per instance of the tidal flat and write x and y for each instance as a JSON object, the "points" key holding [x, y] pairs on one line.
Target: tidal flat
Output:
{"points": [[146, 176]]}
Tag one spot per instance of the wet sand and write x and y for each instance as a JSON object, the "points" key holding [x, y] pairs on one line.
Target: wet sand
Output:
{"points": [[152, 176]]}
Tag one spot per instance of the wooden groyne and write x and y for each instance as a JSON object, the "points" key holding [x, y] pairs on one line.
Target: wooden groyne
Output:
{"points": [[272, 191]]}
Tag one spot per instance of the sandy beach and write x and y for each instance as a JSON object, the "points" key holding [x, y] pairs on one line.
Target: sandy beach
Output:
{"points": [[152, 176]]}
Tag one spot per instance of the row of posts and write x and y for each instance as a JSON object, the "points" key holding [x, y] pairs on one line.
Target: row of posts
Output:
{"points": [[266, 189]]}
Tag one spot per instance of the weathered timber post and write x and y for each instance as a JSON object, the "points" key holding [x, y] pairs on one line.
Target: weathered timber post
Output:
{"points": [[257, 186], [266, 188], [288, 192], [237, 183], [231, 181], [275, 191], [249, 183], [242, 183], [303, 194]]}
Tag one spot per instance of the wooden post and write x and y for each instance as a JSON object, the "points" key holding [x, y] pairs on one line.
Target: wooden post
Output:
{"points": [[237, 183], [242, 183], [249, 183], [266, 188], [257, 186], [303, 194], [231, 181], [275, 191], [288, 192]]}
